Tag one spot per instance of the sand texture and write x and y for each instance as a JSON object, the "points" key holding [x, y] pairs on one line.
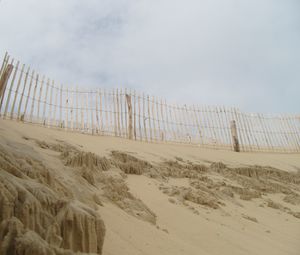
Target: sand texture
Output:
{"points": [[66, 193]]}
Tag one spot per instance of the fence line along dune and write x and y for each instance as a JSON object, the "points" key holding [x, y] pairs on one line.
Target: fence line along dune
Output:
{"points": [[30, 97]]}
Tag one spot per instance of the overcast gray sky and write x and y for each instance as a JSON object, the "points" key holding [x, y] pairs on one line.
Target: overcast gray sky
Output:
{"points": [[243, 53]]}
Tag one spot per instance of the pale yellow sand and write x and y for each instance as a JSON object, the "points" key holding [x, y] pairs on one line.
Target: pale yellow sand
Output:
{"points": [[178, 229], [152, 152]]}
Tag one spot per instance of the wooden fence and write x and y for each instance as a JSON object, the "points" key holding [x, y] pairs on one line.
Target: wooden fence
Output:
{"points": [[29, 97]]}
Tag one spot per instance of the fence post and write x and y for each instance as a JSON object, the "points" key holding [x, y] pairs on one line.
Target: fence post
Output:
{"points": [[4, 79], [129, 105], [236, 145], [10, 89], [5, 60]]}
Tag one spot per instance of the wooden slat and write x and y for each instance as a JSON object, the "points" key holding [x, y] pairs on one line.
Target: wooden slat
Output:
{"points": [[211, 126], [247, 142], [134, 115], [251, 134], [264, 132], [285, 135], [87, 111], [45, 101], [216, 126], [197, 123], [184, 124], [97, 111], [130, 126], [72, 108], [82, 106], [144, 119], [157, 107], [125, 114], [154, 131], [206, 125], [60, 107], [90, 103], [101, 111], [168, 129], [3, 66], [111, 115], [225, 126], [296, 133], [162, 121], [40, 99], [122, 113], [114, 112], [254, 125], [22, 94], [50, 105], [55, 107], [28, 93], [106, 111], [33, 100], [5, 80], [77, 109], [149, 117], [174, 123], [139, 116], [292, 139], [220, 126], [118, 113], [10, 89], [180, 121], [67, 109], [177, 125], [238, 129]]}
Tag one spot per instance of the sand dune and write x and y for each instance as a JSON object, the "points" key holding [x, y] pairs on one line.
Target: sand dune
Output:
{"points": [[65, 192]]}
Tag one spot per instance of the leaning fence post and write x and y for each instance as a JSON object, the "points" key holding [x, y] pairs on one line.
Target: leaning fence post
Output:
{"points": [[5, 60], [236, 145], [4, 79], [128, 100], [10, 89]]}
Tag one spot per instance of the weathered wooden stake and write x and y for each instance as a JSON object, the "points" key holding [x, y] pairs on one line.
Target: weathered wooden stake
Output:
{"points": [[129, 105], [4, 79], [10, 89], [5, 60], [235, 140]]}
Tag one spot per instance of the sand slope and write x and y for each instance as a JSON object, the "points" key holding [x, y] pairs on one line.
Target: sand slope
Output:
{"points": [[154, 198]]}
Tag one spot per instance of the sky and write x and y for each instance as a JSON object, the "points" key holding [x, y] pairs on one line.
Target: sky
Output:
{"points": [[242, 53]]}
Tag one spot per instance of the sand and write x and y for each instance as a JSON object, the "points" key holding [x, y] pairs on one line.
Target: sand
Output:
{"points": [[67, 192]]}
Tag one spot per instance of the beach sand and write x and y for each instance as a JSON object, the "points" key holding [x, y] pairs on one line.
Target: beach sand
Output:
{"points": [[142, 198]]}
